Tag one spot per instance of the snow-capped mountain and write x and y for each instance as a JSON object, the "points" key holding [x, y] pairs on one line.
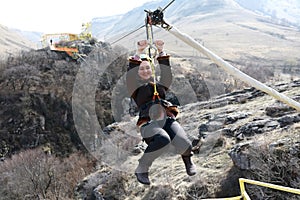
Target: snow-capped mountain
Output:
{"points": [[288, 11]]}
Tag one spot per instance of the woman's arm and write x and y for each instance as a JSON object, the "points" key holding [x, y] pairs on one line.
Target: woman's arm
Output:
{"points": [[166, 72], [131, 76]]}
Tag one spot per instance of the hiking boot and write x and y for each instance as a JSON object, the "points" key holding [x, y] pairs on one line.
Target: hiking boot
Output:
{"points": [[189, 165], [143, 178], [142, 174]]}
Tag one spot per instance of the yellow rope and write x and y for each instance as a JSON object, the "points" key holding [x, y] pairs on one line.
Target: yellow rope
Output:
{"points": [[150, 60]]}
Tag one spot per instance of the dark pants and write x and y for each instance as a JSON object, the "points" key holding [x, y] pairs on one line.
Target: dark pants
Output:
{"points": [[159, 134]]}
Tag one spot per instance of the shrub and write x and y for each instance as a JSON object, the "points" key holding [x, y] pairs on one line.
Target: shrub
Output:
{"points": [[33, 174]]}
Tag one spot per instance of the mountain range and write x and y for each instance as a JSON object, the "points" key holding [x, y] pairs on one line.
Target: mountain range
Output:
{"points": [[235, 29], [285, 12]]}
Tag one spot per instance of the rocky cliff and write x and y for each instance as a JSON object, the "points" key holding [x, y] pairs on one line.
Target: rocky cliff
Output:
{"points": [[36, 101]]}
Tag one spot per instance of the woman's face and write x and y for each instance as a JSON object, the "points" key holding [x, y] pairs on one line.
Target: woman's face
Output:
{"points": [[145, 71]]}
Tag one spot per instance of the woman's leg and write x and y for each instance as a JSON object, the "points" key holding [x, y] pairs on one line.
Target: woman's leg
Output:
{"points": [[179, 138], [157, 140], [182, 144]]}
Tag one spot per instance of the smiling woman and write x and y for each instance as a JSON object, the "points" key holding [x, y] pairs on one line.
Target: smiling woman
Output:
{"points": [[59, 16]]}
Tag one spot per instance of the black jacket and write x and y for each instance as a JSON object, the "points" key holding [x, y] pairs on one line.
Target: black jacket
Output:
{"points": [[142, 91]]}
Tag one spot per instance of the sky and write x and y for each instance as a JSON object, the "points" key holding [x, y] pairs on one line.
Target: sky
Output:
{"points": [[57, 16]]}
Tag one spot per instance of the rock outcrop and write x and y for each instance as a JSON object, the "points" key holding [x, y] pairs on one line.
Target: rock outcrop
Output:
{"points": [[230, 136]]}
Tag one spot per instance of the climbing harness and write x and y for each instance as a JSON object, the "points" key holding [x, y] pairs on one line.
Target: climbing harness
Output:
{"points": [[154, 18]]}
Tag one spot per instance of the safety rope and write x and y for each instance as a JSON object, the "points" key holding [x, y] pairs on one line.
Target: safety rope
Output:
{"points": [[149, 33]]}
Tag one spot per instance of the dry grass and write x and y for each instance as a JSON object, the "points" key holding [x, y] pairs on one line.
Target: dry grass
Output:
{"points": [[277, 161]]}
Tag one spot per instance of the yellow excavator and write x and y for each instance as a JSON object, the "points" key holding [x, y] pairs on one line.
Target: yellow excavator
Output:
{"points": [[65, 42]]}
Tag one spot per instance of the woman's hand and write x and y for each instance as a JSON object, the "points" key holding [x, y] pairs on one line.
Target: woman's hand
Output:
{"points": [[159, 45], [141, 46]]}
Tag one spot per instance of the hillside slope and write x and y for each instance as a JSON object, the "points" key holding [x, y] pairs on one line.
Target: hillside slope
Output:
{"points": [[286, 12], [12, 42]]}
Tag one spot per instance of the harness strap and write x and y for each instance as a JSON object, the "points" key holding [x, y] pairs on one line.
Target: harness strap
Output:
{"points": [[160, 101]]}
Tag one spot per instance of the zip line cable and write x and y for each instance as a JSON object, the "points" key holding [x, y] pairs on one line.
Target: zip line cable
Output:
{"points": [[157, 18], [167, 6], [225, 65], [128, 34]]}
